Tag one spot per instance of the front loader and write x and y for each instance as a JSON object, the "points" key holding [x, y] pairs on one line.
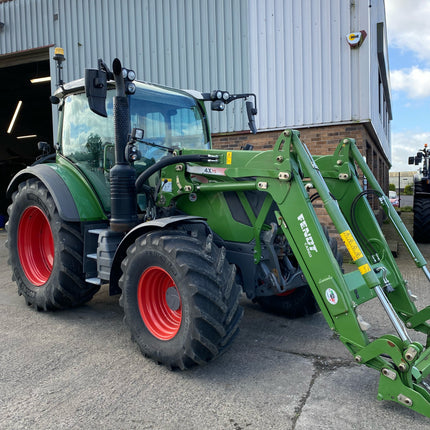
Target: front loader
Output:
{"points": [[134, 197]]}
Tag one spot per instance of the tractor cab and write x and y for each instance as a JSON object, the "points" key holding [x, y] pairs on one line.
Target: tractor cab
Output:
{"points": [[170, 119]]}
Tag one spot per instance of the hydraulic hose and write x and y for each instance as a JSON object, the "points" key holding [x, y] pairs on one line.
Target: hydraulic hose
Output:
{"points": [[167, 161], [44, 158]]}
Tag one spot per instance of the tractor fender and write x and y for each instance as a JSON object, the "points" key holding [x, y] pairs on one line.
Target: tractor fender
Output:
{"points": [[56, 186], [138, 231], [76, 201]]}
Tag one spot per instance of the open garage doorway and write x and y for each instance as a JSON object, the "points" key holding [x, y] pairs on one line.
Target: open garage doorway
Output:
{"points": [[25, 117]]}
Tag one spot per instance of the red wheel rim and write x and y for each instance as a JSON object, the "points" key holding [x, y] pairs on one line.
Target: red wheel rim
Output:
{"points": [[287, 293], [160, 319], [35, 245]]}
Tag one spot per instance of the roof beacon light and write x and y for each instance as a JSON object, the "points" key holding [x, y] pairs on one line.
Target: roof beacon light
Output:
{"points": [[59, 58]]}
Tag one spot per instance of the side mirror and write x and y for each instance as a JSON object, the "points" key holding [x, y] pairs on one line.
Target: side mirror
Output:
{"points": [[96, 90], [251, 111], [411, 160], [44, 147], [218, 105], [221, 98]]}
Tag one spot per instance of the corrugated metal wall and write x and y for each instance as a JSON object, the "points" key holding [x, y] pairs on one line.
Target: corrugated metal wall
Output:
{"points": [[28, 24], [303, 69], [197, 44], [302, 64], [292, 53]]}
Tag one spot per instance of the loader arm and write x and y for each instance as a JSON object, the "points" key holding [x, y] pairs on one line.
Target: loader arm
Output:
{"points": [[287, 173]]}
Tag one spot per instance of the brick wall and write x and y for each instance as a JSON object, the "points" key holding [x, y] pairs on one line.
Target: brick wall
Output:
{"points": [[320, 141]]}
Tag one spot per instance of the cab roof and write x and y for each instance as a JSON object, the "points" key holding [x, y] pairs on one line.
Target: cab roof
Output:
{"points": [[78, 85]]}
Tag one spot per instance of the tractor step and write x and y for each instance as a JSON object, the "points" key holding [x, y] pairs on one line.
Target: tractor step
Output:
{"points": [[101, 252]]}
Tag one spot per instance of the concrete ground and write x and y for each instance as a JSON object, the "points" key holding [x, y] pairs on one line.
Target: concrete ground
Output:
{"points": [[79, 369]]}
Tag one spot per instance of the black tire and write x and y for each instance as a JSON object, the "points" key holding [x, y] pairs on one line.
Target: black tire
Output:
{"points": [[45, 252], [421, 229], [202, 316], [299, 302]]}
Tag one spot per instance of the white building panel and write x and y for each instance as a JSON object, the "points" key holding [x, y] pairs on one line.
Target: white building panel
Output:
{"points": [[182, 43], [304, 71], [293, 54], [303, 63]]}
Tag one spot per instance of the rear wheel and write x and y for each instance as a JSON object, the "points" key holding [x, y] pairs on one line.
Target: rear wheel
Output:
{"points": [[300, 301], [180, 298], [45, 251], [421, 229]]}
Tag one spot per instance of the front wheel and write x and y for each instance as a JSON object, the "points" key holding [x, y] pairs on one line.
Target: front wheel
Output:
{"points": [[298, 302], [180, 298]]}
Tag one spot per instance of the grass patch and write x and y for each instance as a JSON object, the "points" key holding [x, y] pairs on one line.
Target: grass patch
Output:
{"points": [[406, 209]]}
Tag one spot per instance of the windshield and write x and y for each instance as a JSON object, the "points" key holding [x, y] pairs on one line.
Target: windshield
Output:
{"points": [[169, 119]]}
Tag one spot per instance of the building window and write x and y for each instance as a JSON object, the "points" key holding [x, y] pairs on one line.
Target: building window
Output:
{"points": [[383, 88], [380, 93]]}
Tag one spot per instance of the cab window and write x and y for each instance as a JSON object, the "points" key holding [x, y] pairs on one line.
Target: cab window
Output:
{"points": [[88, 141]]}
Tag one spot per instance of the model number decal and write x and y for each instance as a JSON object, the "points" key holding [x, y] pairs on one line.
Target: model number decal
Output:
{"points": [[202, 170], [309, 244]]}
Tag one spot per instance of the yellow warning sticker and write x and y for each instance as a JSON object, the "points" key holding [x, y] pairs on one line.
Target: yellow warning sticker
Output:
{"points": [[351, 245], [229, 155], [365, 268], [166, 185]]}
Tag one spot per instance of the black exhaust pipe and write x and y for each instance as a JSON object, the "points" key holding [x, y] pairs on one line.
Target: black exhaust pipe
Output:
{"points": [[122, 174]]}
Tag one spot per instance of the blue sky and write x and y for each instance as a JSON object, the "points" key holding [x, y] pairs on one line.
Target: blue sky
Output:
{"points": [[409, 59]]}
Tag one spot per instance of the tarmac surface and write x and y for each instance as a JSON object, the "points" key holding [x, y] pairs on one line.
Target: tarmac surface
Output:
{"points": [[79, 369]]}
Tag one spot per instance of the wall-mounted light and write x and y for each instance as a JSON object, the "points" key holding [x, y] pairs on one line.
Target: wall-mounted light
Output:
{"points": [[355, 40], [12, 123], [39, 80]]}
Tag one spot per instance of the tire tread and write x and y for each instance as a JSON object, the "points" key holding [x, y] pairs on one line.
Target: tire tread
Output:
{"points": [[214, 293]]}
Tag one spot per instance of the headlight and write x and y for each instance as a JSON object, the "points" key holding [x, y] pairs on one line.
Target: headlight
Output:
{"points": [[131, 75], [131, 88]]}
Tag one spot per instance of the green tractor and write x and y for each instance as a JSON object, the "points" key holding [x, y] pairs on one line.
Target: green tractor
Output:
{"points": [[135, 197], [421, 232]]}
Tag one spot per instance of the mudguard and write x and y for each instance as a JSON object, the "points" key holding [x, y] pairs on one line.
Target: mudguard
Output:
{"points": [[74, 199], [138, 231]]}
